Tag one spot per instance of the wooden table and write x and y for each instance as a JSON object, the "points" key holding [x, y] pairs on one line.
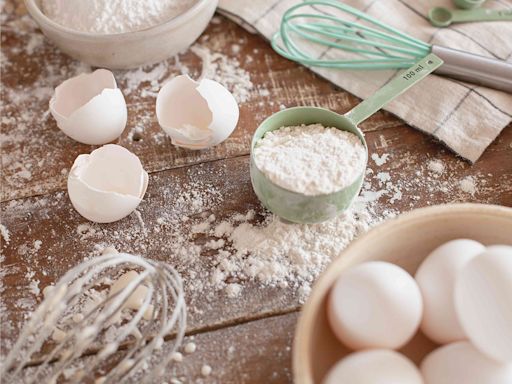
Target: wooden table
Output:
{"points": [[247, 339]]}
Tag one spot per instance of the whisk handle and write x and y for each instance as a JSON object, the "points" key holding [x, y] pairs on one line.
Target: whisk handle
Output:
{"points": [[475, 69]]}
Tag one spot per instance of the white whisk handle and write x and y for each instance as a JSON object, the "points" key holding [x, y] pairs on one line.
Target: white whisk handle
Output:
{"points": [[475, 69]]}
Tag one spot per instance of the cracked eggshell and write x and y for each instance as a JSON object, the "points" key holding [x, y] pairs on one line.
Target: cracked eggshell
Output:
{"points": [[107, 184], [196, 115], [90, 108]]}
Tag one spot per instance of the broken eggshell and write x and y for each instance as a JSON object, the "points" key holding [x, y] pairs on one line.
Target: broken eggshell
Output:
{"points": [[107, 184], [196, 115], [90, 108]]}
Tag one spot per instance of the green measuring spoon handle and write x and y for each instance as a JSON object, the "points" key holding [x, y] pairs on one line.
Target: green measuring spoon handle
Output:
{"points": [[398, 85], [468, 4], [475, 69], [481, 14]]}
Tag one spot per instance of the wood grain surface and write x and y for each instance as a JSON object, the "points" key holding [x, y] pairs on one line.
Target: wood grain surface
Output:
{"points": [[246, 339]]}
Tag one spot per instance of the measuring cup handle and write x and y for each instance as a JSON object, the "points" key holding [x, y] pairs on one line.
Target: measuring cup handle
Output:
{"points": [[475, 69], [398, 85]]}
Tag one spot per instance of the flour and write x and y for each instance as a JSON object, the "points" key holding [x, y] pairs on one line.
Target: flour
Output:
{"points": [[177, 356], [5, 233], [310, 159], [380, 160], [85, 231], [206, 370], [468, 185], [190, 348], [436, 166], [225, 70], [214, 66], [281, 254], [113, 16]]}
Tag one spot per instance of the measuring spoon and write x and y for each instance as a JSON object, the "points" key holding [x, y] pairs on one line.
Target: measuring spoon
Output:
{"points": [[297, 207], [468, 4], [443, 17]]}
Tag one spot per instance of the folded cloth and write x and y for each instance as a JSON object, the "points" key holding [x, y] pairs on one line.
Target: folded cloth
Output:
{"points": [[466, 117]]}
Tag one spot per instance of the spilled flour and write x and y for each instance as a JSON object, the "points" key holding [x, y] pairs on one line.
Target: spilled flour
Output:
{"points": [[281, 254], [4, 232], [467, 185], [225, 70]]}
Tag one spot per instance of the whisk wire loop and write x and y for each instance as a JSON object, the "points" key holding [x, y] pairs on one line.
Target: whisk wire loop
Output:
{"points": [[379, 46], [163, 298]]}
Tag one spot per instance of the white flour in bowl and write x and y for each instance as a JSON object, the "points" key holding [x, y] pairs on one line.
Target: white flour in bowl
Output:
{"points": [[113, 16], [310, 159]]}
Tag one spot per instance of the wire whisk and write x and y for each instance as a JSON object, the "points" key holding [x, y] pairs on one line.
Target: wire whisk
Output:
{"points": [[330, 34], [119, 324]]}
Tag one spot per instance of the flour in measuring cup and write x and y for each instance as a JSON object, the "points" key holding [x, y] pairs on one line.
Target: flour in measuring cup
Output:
{"points": [[113, 16], [310, 159]]}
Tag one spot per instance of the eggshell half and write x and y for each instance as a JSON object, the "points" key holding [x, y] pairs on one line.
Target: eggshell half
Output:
{"points": [[483, 301], [462, 363], [375, 305], [108, 184], [377, 366], [90, 108], [196, 115], [436, 279]]}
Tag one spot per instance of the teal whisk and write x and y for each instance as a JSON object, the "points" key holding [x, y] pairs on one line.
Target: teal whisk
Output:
{"points": [[372, 45]]}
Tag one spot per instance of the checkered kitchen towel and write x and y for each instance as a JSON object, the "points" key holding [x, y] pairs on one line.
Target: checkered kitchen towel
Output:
{"points": [[467, 118]]}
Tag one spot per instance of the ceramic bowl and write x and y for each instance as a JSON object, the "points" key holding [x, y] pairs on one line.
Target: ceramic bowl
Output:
{"points": [[293, 206], [405, 241], [131, 49]]}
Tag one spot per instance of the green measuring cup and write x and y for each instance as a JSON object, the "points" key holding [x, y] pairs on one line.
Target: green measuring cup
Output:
{"points": [[297, 207], [443, 17]]}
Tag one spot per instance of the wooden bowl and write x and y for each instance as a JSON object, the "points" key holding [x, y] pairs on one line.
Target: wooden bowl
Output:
{"points": [[405, 241]]}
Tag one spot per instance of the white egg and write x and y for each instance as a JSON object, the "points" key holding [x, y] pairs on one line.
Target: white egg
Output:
{"points": [[462, 363], [483, 301], [436, 279], [108, 184], [377, 366], [196, 115], [375, 305], [90, 108]]}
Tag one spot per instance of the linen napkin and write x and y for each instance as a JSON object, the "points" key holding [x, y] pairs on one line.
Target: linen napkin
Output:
{"points": [[465, 117]]}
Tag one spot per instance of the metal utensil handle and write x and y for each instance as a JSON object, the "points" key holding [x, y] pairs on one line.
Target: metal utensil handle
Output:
{"points": [[475, 69]]}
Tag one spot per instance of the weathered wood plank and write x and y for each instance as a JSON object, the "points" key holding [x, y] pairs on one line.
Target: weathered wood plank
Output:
{"points": [[254, 352], [250, 353], [47, 236]]}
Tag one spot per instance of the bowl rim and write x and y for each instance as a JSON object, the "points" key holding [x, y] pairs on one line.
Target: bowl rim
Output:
{"points": [[301, 365], [46, 22]]}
